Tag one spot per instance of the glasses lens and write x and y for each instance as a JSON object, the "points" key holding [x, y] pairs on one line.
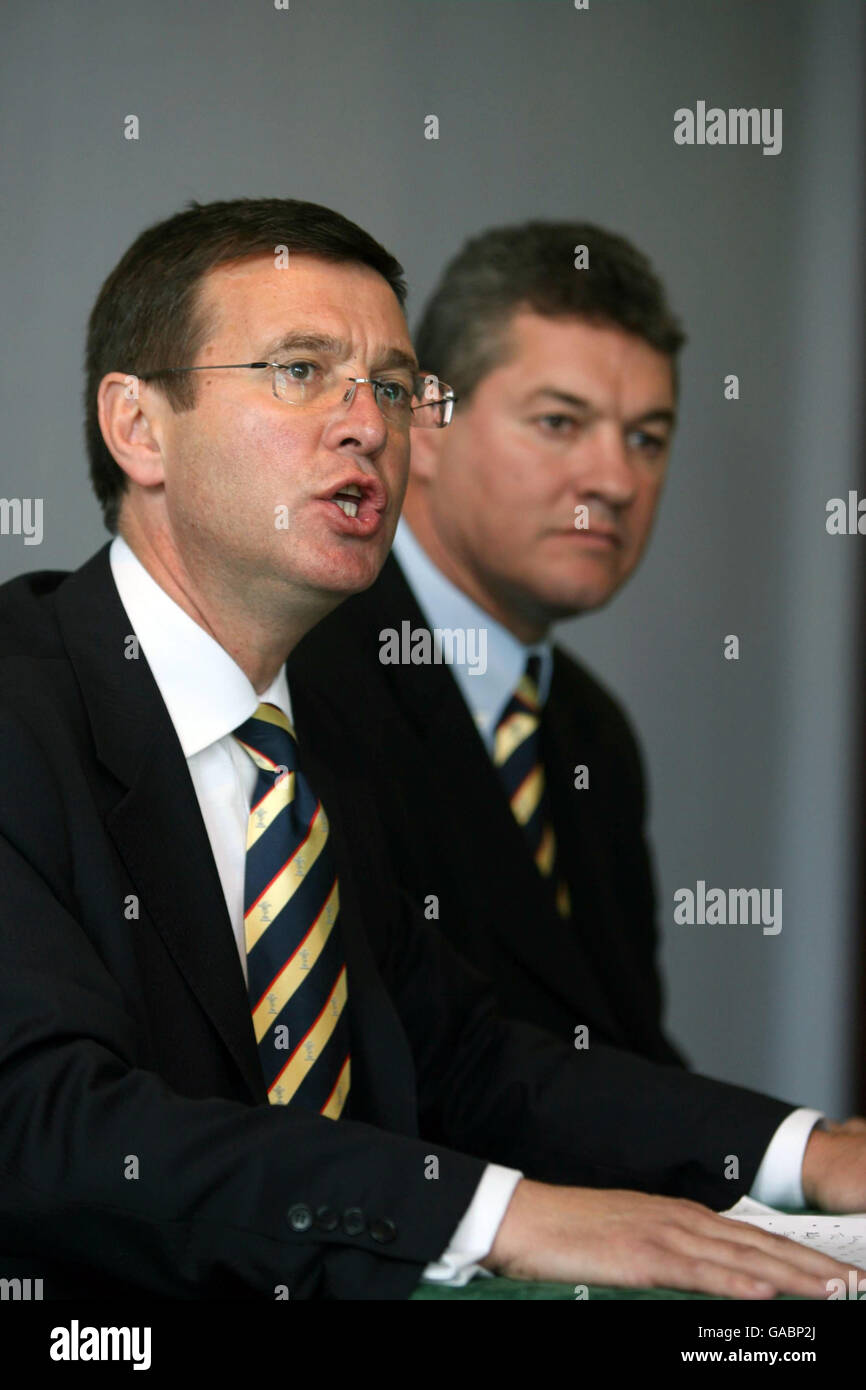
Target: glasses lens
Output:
{"points": [[433, 403], [302, 382], [394, 399]]}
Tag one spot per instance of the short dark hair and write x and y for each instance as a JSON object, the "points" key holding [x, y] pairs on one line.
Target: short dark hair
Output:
{"points": [[146, 315], [462, 332]]}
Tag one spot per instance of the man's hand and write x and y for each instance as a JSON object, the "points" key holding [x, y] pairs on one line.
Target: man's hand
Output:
{"points": [[629, 1239], [834, 1167]]}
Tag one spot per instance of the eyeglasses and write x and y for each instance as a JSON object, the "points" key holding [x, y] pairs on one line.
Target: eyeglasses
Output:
{"points": [[423, 402]]}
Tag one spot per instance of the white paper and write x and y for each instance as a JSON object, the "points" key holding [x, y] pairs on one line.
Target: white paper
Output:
{"points": [[843, 1237]]}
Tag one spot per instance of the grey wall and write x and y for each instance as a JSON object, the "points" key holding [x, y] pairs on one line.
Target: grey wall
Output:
{"points": [[544, 111]]}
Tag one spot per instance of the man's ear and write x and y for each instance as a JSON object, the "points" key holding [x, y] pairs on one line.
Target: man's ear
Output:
{"points": [[129, 427], [426, 446]]}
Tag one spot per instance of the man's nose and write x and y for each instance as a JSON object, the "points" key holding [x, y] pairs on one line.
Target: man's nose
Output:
{"points": [[604, 467], [357, 421]]}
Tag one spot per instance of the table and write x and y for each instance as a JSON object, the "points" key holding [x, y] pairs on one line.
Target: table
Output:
{"points": [[515, 1289]]}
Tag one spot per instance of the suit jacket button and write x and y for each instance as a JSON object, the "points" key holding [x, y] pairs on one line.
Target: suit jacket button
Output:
{"points": [[383, 1229], [327, 1219], [300, 1217], [353, 1221]]}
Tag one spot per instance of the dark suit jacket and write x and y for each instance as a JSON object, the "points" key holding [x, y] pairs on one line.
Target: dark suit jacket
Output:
{"points": [[452, 832], [125, 1028]]}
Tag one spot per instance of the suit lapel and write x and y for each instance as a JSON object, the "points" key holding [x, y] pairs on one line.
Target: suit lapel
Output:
{"points": [[153, 816]]}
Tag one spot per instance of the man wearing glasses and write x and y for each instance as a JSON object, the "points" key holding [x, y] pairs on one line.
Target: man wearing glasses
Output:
{"points": [[232, 1061]]}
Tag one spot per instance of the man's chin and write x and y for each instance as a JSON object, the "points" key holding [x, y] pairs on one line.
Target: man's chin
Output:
{"points": [[343, 575], [571, 602], [591, 587]]}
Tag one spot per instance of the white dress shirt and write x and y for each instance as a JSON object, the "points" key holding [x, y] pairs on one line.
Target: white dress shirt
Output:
{"points": [[445, 606]]}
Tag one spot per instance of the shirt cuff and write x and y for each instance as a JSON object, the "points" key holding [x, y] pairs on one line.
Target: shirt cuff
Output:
{"points": [[476, 1233], [779, 1180]]}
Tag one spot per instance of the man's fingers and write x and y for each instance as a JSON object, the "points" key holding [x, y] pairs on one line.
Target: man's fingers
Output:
{"points": [[695, 1275], [802, 1255], [790, 1267], [701, 1221]]}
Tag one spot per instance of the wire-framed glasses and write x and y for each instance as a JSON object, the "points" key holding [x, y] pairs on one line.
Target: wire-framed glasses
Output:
{"points": [[404, 398]]}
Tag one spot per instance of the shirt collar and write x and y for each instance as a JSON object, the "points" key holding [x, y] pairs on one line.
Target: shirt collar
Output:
{"points": [[445, 606], [206, 693]]}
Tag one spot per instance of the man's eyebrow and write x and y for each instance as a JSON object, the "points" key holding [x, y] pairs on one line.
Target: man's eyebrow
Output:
{"points": [[304, 342], [336, 347], [661, 416]]}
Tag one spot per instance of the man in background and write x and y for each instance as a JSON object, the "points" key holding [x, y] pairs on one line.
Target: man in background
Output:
{"points": [[509, 779]]}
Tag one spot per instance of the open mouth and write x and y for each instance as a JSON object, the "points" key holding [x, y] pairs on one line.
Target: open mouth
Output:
{"points": [[362, 502], [348, 499]]}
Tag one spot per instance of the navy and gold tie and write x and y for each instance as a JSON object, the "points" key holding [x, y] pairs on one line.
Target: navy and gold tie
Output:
{"points": [[517, 754], [296, 970]]}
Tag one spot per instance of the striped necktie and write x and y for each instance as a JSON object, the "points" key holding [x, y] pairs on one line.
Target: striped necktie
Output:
{"points": [[296, 970], [517, 754]]}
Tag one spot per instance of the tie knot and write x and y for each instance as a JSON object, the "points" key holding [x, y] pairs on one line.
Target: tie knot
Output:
{"points": [[269, 739]]}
